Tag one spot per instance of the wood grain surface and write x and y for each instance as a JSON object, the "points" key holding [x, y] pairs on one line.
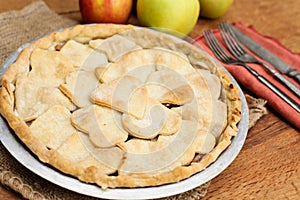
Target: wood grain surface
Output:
{"points": [[268, 167]]}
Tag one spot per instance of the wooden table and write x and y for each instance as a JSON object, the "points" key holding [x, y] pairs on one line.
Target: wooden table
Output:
{"points": [[268, 167]]}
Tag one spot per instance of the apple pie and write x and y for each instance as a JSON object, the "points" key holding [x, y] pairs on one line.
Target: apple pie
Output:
{"points": [[120, 105]]}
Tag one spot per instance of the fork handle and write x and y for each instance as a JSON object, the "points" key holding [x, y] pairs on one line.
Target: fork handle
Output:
{"points": [[275, 89], [289, 84], [295, 75], [283, 80]]}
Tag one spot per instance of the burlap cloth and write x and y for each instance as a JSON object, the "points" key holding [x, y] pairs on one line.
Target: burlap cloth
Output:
{"points": [[19, 27]]}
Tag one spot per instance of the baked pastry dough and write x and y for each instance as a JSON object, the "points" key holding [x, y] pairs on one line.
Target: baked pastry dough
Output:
{"points": [[157, 119], [120, 106], [125, 94]]}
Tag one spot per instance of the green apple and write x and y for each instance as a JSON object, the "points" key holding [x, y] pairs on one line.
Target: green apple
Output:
{"points": [[105, 11], [177, 17], [214, 8]]}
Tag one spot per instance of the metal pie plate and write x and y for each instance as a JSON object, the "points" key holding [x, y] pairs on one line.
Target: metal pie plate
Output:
{"points": [[31, 162]]}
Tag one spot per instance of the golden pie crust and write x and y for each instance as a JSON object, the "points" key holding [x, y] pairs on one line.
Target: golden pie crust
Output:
{"points": [[119, 105]]}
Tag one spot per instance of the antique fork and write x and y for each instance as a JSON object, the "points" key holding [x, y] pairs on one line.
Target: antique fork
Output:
{"points": [[241, 54], [220, 53]]}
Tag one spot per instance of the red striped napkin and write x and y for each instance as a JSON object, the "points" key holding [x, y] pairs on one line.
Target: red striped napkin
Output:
{"points": [[249, 82]]}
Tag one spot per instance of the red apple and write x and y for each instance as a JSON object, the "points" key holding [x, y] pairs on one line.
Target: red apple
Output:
{"points": [[105, 11]]}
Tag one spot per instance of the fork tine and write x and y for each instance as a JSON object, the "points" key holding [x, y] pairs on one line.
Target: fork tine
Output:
{"points": [[227, 28], [211, 44], [230, 44], [215, 46]]}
